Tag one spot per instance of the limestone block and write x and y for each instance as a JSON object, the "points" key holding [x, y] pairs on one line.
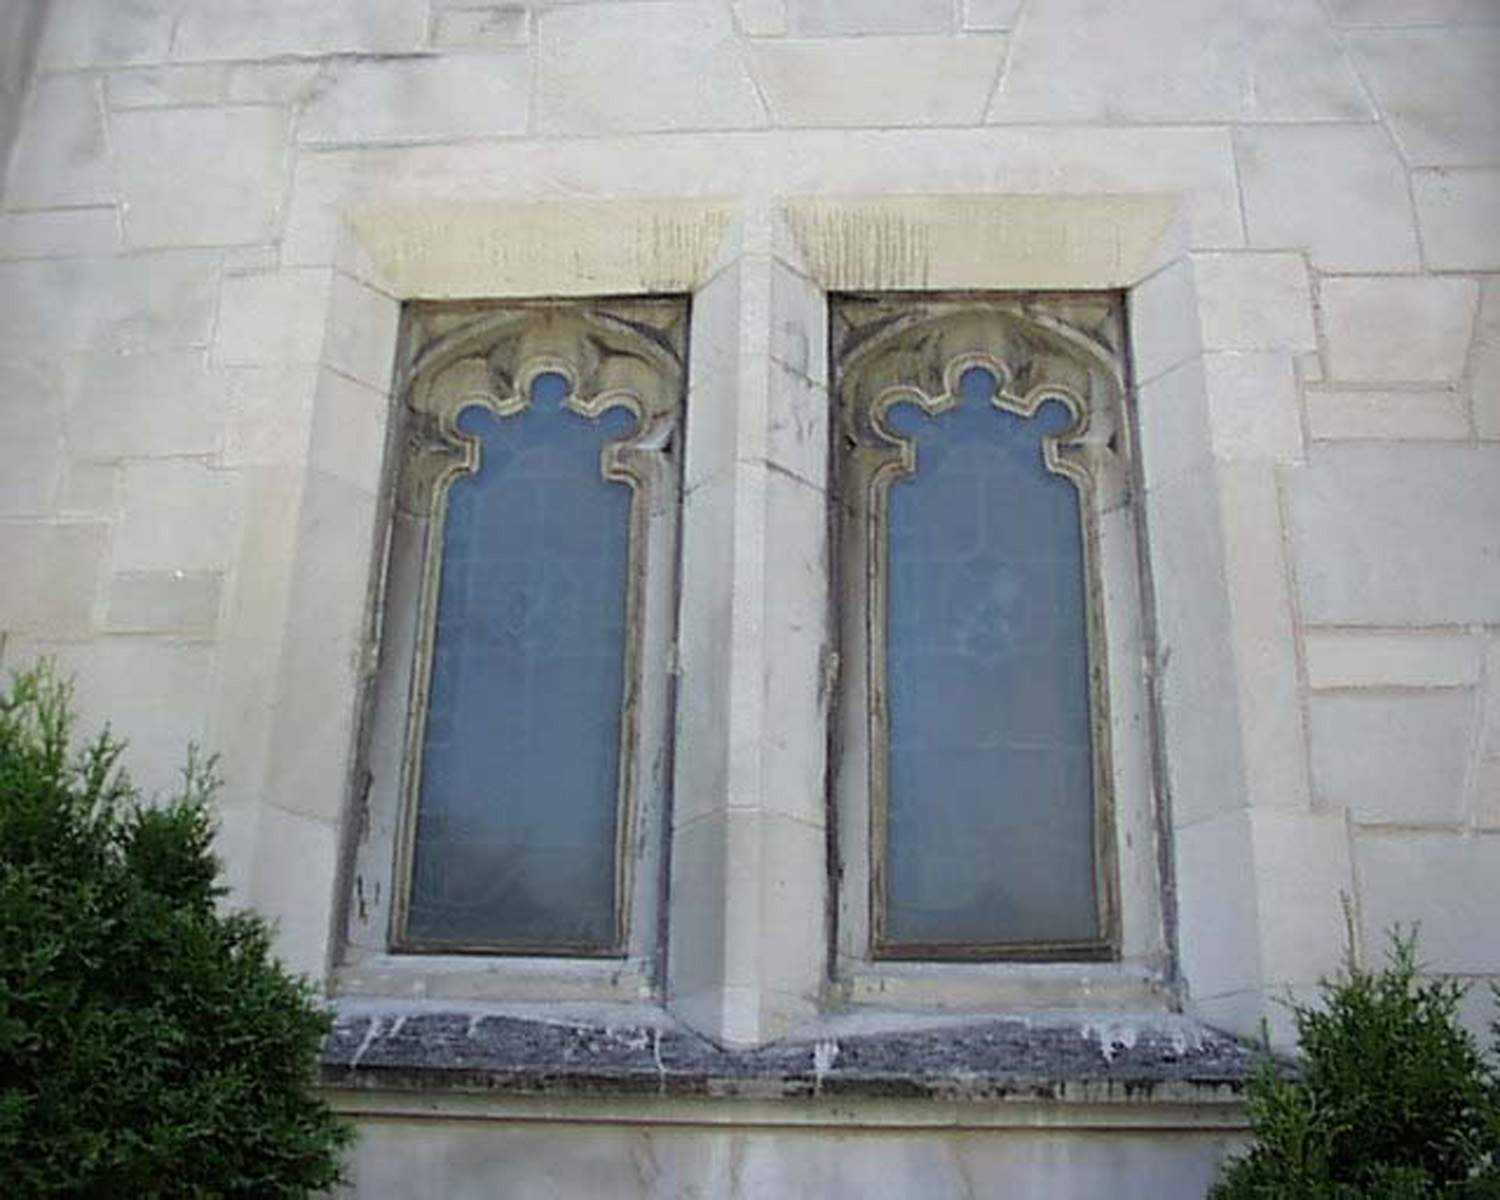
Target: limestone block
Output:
{"points": [[990, 14], [61, 156], [269, 414], [182, 602], [1261, 632], [153, 87], [1386, 415], [294, 881], [1459, 212], [1339, 192], [1252, 401], [1409, 329], [142, 405], [1173, 416], [52, 233], [799, 323], [31, 438], [91, 489], [1302, 870], [694, 76], [1489, 734], [403, 99], [348, 431], [1447, 882], [848, 81], [251, 630], [1393, 759], [761, 18], [201, 176], [1484, 364], [822, 18], [1199, 686], [492, 25], [275, 317], [270, 83], [1397, 535], [1219, 919], [1164, 325], [1487, 792], [1341, 659], [249, 29], [1229, 64], [152, 692], [788, 747], [147, 301], [1254, 302], [178, 515], [313, 718], [51, 576], [1439, 90], [361, 336], [1356, 13], [97, 33]]}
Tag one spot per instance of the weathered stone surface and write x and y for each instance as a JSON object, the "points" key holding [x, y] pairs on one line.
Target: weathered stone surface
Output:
{"points": [[184, 602], [31, 438], [1386, 415], [1340, 659], [1399, 13], [1227, 65], [247, 29], [402, 99], [148, 301], [1448, 883], [1393, 759], [61, 156], [178, 515], [492, 25], [96, 33], [821, 18], [1253, 411], [201, 177], [1484, 363], [1254, 302], [1406, 329], [693, 76], [142, 405], [1338, 191], [1439, 90], [1459, 212], [51, 576], [1399, 535], [990, 14], [848, 81], [52, 233]]}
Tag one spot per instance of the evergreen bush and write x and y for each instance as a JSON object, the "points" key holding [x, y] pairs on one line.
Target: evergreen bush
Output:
{"points": [[1392, 1099], [149, 1043]]}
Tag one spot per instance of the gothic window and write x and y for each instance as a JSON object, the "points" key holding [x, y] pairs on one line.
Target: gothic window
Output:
{"points": [[516, 752], [981, 443]]}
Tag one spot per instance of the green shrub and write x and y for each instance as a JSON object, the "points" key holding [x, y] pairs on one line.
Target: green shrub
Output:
{"points": [[1393, 1100], [149, 1044]]}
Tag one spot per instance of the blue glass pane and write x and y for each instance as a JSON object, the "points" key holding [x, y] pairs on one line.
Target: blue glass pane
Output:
{"points": [[990, 815], [515, 838]]}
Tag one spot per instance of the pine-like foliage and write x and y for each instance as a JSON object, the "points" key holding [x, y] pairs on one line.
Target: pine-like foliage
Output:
{"points": [[1393, 1100], [149, 1043]]}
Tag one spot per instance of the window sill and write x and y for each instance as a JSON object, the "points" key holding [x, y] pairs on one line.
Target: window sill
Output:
{"points": [[1104, 1069]]}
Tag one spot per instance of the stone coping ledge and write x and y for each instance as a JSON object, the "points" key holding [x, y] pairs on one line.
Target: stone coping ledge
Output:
{"points": [[1119, 1059]]}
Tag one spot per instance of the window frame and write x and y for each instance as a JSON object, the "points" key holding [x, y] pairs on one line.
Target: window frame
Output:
{"points": [[630, 353], [1085, 367]]}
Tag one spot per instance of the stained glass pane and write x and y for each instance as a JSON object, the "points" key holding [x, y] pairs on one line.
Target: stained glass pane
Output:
{"points": [[990, 816], [515, 837]]}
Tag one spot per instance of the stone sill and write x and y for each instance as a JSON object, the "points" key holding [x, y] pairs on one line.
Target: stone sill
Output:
{"points": [[443, 1060]]}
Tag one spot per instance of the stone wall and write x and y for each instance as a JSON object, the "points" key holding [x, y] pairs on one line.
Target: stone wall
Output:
{"points": [[213, 208]]}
